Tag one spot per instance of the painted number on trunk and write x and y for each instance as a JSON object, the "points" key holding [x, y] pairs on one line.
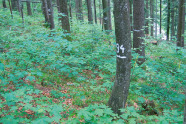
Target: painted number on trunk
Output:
{"points": [[122, 49]]}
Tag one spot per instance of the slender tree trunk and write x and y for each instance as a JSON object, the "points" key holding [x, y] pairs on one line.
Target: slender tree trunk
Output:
{"points": [[168, 19], [50, 14], [156, 20], [152, 16], [95, 16], [19, 5], [64, 18], [4, 4], [138, 32], [120, 89], [89, 7], [105, 14], [100, 19], [160, 14], [183, 26], [29, 11], [14, 5], [109, 15], [10, 8], [70, 9], [131, 13], [147, 20], [180, 29], [172, 21], [79, 10], [45, 10]]}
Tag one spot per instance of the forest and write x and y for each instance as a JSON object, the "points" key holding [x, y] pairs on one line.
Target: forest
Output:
{"points": [[92, 61]]}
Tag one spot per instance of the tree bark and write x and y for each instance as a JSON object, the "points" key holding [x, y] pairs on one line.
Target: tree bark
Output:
{"points": [[131, 18], [105, 14], [50, 14], [147, 20], [138, 32], [29, 11], [95, 16], [109, 15], [168, 19], [152, 16], [64, 18], [120, 90], [45, 10], [79, 10], [4, 4], [89, 7], [10, 9], [172, 21], [100, 19], [70, 10], [14, 5], [156, 20], [160, 14]]}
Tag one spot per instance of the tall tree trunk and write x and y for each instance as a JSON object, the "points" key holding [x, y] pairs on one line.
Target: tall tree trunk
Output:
{"points": [[14, 5], [131, 13], [156, 20], [95, 16], [79, 10], [109, 16], [50, 14], [70, 9], [64, 18], [105, 14], [120, 89], [160, 14], [45, 10], [152, 16], [89, 7], [172, 21], [29, 11], [147, 20], [183, 26], [168, 19], [10, 8], [180, 30], [4, 4], [100, 19], [138, 32]]}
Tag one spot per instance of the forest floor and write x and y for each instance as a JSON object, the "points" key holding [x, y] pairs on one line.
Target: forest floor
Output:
{"points": [[44, 78]]}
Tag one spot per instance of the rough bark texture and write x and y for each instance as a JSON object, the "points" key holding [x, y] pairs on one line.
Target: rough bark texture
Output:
{"points": [[45, 10], [168, 19], [152, 16], [180, 30], [50, 14], [4, 4], [147, 16], [79, 11], [89, 7], [160, 15], [123, 39], [95, 16], [138, 32], [172, 21], [29, 11], [64, 18], [131, 18]]}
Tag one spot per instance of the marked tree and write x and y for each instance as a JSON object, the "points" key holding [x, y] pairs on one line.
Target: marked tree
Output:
{"points": [[79, 10], [89, 7], [120, 89], [64, 17], [29, 11], [138, 32], [181, 24]]}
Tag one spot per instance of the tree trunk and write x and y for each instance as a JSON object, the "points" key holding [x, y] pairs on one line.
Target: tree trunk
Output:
{"points": [[14, 5], [10, 8], [95, 16], [64, 18], [79, 11], [109, 16], [152, 16], [4, 4], [50, 14], [180, 30], [138, 32], [131, 18], [120, 89], [168, 19], [89, 7], [160, 15], [100, 19], [45, 10], [29, 11], [70, 9], [156, 20], [183, 26], [147, 20], [105, 14], [172, 21]]}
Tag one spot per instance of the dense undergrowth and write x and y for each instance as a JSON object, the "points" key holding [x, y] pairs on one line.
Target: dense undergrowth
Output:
{"points": [[45, 78]]}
